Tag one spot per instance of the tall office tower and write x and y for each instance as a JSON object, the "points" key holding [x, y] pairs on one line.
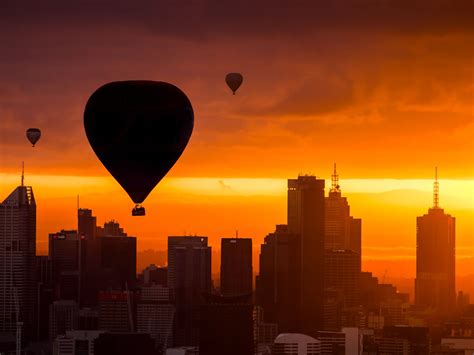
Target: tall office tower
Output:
{"points": [[118, 267], [278, 283], [435, 258], [64, 254], [116, 311], [44, 296], [306, 217], [155, 315], [226, 325], [107, 263], [236, 266], [17, 262], [63, 316], [342, 231], [153, 274], [189, 276], [342, 272], [86, 223]]}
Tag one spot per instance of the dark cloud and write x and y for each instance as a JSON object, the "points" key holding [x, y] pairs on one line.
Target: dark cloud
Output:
{"points": [[214, 18]]}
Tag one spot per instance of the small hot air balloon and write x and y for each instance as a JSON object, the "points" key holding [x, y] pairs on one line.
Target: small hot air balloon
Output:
{"points": [[33, 135], [138, 130], [234, 80]]}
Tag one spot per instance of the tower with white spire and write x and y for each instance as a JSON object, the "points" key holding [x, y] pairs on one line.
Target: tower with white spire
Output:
{"points": [[435, 258]]}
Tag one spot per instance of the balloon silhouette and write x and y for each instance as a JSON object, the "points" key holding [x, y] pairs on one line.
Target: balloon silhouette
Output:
{"points": [[234, 80], [138, 130], [33, 135]]}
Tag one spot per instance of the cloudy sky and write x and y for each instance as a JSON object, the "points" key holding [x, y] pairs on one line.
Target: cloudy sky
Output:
{"points": [[384, 88]]}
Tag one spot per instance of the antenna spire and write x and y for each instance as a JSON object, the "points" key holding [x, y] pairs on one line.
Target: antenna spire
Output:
{"points": [[22, 173], [436, 190], [335, 181]]}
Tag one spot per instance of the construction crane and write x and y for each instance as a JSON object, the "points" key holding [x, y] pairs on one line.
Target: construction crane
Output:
{"points": [[18, 323]]}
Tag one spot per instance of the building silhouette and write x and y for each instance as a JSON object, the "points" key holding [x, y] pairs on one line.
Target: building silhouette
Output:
{"points": [[306, 205], [63, 316], [226, 325], [278, 283], [86, 223], [64, 254], [18, 262], [342, 231], [342, 272], [435, 259], [108, 262], [116, 311], [296, 344], [189, 277], [236, 266]]}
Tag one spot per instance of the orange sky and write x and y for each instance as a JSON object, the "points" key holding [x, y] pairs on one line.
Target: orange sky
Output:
{"points": [[385, 89]]}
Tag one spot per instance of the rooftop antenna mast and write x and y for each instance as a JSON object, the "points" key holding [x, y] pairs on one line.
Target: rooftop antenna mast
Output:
{"points": [[436, 190], [335, 181], [22, 173]]}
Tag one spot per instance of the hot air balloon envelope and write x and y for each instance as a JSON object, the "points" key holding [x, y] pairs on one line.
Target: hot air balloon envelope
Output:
{"points": [[138, 130], [234, 80], [33, 135]]}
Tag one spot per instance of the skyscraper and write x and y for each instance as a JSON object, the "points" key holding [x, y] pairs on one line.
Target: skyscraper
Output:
{"points": [[278, 283], [236, 266], [435, 258], [226, 326], [64, 254], [17, 261], [189, 277], [306, 217], [342, 231], [342, 272], [86, 223]]}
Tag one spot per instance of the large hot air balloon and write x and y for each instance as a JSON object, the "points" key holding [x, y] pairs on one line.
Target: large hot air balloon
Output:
{"points": [[138, 130], [234, 80], [33, 135]]}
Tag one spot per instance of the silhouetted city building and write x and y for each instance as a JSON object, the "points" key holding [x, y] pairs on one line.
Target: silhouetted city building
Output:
{"points": [[108, 263], [86, 223], [435, 259], [116, 311], [342, 271], [342, 231], [111, 228], [226, 326], [306, 205], [236, 266], [18, 262], [404, 340], [63, 316], [76, 342], [155, 314], [44, 296], [153, 274], [189, 277], [278, 283], [64, 253], [293, 343], [124, 344]]}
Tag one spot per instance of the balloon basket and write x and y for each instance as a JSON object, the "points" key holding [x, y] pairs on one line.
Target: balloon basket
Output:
{"points": [[138, 211]]}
